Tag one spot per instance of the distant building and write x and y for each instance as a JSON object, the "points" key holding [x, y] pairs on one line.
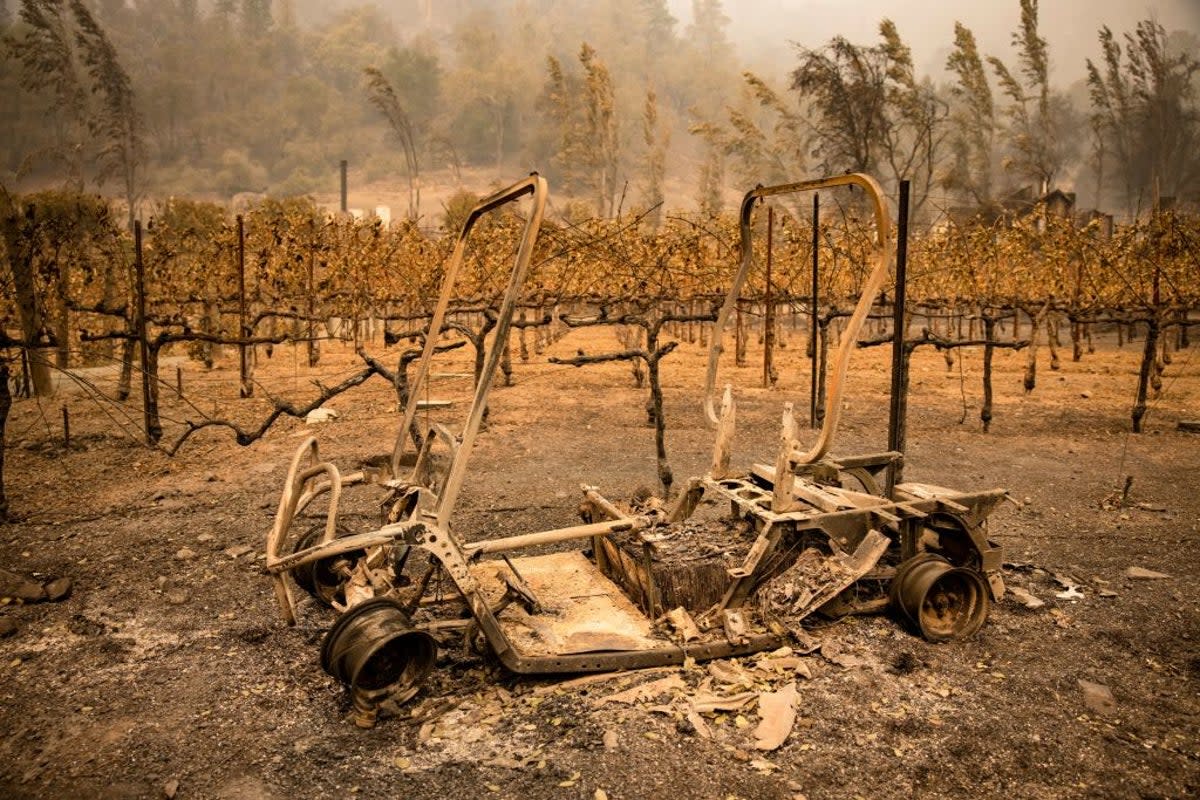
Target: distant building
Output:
{"points": [[1058, 203], [1023, 203]]}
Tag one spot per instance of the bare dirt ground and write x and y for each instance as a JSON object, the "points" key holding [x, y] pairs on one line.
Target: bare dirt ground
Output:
{"points": [[167, 670]]}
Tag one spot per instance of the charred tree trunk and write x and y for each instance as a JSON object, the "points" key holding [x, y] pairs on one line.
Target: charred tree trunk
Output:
{"points": [[1035, 324], [1052, 341], [506, 359], [522, 339], [665, 478], [154, 429], [479, 342], [1149, 352], [125, 380], [5, 406], [637, 367], [989, 336], [947, 353]]}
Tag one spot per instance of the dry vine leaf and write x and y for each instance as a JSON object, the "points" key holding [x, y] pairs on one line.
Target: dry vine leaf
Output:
{"points": [[777, 711], [645, 691], [730, 673], [707, 703], [697, 721]]}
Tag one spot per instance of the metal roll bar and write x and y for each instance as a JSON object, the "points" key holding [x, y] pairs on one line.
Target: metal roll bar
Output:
{"points": [[535, 185], [875, 281]]}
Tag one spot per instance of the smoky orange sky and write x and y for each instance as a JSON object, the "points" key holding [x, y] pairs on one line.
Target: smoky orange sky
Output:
{"points": [[764, 29]]}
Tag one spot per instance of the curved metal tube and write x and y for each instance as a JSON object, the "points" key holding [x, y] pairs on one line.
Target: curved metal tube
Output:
{"points": [[883, 258], [535, 185], [293, 496]]}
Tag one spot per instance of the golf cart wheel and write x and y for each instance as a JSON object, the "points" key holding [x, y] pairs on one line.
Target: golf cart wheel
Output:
{"points": [[939, 601], [376, 652]]}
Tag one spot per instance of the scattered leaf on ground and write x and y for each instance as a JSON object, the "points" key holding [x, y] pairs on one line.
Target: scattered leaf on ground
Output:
{"points": [[777, 711]]}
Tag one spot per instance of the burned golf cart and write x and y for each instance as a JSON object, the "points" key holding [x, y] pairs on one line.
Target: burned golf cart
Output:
{"points": [[652, 584]]}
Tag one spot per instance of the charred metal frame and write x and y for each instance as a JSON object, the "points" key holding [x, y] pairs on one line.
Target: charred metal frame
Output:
{"points": [[801, 494]]}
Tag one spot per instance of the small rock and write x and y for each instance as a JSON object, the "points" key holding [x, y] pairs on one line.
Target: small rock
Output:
{"points": [[58, 589], [238, 550], [205, 538], [178, 597], [611, 739], [1097, 697], [185, 554], [1142, 574], [8, 627], [1085, 394], [1107, 593], [19, 588], [321, 415], [170, 788]]}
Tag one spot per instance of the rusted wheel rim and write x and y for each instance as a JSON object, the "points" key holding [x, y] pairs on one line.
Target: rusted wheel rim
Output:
{"points": [[373, 650], [940, 601]]}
